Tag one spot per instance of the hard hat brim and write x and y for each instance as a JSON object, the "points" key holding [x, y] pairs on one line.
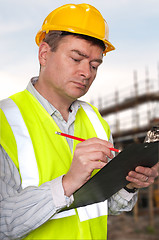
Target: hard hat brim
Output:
{"points": [[41, 35]]}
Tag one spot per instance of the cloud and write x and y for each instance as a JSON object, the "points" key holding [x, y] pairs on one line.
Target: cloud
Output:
{"points": [[16, 77], [10, 84], [13, 27]]}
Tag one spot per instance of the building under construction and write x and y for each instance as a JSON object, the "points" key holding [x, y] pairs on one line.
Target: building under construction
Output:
{"points": [[131, 113]]}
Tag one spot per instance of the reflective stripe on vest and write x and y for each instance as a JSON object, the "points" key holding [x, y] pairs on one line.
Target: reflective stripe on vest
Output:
{"points": [[94, 120], [27, 161], [26, 157], [85, 213]]}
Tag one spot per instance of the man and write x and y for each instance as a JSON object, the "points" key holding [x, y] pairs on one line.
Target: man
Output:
{"points": [[40, 171]]}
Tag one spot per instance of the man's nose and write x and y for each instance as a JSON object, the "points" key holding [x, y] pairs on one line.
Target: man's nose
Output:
{"points": [[85, 70]]}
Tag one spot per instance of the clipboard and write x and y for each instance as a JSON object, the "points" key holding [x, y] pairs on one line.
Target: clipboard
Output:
{"points": [[111, 178]]}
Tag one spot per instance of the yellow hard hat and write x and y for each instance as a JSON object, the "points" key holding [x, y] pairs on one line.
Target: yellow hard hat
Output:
{"points": [[77, 18]]}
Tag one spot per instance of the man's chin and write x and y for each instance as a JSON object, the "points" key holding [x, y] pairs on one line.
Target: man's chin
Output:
{"points": [[78, 94]]}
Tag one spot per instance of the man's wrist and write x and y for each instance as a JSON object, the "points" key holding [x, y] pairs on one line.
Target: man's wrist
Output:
{"points": [[130, 190]]}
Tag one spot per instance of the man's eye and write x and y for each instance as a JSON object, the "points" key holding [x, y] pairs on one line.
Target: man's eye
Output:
{"points": [[76, 60], [94, 67]]}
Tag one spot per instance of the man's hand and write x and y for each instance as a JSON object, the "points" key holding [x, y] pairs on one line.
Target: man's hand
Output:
{"points": [[89, 155], [142, 176]]}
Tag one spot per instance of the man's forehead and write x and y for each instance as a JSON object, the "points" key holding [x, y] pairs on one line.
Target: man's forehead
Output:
{"points": [[77, 38], [79, 46]]}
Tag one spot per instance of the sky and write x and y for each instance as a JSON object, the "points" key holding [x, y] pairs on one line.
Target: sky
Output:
{"points": [[133, 30]]}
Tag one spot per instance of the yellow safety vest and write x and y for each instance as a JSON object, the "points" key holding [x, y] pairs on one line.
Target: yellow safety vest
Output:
{"points": [[28, 132]]}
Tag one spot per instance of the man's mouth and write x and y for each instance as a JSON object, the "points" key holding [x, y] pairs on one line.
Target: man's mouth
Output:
{"points": [[80, 85]]}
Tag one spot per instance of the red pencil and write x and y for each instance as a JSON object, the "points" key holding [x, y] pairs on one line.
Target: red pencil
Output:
{"points": [[81, 140]]}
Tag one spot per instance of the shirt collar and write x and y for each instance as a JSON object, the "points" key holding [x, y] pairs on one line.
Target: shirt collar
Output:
{"points": [[47, 105]]}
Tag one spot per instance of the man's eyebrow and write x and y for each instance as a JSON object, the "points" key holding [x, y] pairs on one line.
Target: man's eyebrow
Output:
{"points": [[86, 56]]}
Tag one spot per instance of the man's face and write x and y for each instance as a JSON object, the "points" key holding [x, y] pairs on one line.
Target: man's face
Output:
{"points": [[70, 71]]}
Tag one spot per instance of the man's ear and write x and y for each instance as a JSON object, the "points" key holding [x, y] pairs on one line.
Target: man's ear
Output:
{"points": [[44, 49]]}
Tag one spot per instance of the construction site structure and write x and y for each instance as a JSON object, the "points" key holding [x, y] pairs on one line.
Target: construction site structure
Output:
{"points": [[131, 113]]}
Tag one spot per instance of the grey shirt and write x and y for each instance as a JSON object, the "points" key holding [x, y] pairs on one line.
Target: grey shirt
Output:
{"points": [[23, 210]]}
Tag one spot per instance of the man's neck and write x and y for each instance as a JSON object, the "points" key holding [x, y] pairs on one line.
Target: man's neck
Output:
{"points": [[60, 103]]}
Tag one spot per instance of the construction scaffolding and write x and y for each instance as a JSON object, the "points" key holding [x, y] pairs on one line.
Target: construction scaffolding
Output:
{"points": [[132, 111]]}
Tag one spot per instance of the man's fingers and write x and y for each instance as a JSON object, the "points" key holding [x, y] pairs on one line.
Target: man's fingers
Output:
{"points": [[143, 176], [96, 145], [150, 172]]}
